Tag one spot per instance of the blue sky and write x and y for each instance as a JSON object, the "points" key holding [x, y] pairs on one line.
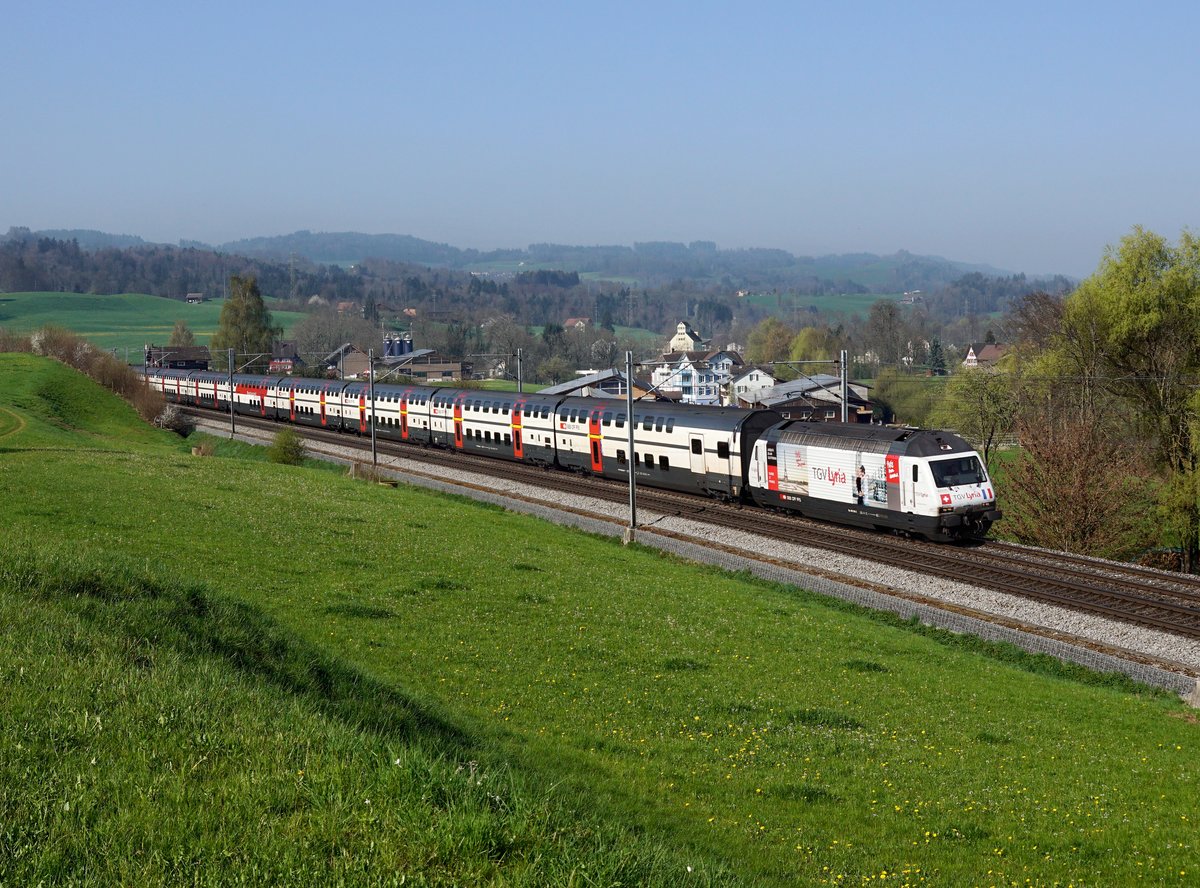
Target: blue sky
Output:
{"points": [[1025, 135]]}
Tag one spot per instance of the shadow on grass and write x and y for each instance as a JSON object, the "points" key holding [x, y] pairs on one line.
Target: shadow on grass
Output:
{"points": [[154, 612]]}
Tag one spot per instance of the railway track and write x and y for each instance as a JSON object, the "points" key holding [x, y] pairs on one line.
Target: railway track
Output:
{"points": [[1129, 593]]}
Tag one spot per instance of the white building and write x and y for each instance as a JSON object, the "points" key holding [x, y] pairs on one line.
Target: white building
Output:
{"points": [[746, 387], [686, 339], [697, 377]]}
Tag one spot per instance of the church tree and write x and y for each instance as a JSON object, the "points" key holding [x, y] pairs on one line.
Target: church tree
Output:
{"points": [[245, 326]]}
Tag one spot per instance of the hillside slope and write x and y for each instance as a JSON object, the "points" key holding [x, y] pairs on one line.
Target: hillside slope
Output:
{"points": [[255, 630]]}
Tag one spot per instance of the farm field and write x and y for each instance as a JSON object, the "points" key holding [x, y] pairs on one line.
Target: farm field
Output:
{"points": [[126, 321], [183, 680], [794, 308]]}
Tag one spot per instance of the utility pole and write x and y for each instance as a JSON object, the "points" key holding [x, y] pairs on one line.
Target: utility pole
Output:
{"points": [[631, 459], [520, 376], [371, 362], [232, 422], [845, 373]]}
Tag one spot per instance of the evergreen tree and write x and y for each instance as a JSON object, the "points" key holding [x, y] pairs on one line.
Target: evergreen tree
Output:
{"points": [[937, 358], [245, 325]]}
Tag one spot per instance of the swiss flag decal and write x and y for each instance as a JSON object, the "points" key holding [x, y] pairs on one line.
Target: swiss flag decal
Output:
{"points": [[945, 499]]}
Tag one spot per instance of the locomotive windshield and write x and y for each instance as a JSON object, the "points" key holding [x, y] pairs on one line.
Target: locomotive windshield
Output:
{"points": [[960, 470]]}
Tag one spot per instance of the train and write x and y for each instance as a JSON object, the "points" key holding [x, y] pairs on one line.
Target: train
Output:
{"points": [[920, 482]]}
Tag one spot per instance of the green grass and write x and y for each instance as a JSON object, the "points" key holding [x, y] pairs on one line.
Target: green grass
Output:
{"points": [[651, 714], [794, 308], [126, 321]]}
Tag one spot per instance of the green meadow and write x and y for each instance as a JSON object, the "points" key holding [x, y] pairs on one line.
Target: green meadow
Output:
{"points": [[794, 308], [222, 671], [125, 321]]}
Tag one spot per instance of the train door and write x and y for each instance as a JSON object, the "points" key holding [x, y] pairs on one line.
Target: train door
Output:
{"points": [[362, 411], [291, 402], [908, 487], [458, 422], [696, 455], [594, 441], [517, 426], [324, 420], [404, 417], [262, 399]]}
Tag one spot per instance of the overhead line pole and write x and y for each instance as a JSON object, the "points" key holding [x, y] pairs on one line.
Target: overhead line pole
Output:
{"points": [[232, 422], [371, 362], [632, 461]]}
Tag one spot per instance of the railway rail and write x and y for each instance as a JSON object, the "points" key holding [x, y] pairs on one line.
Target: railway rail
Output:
{"points": [[1133, 594]]}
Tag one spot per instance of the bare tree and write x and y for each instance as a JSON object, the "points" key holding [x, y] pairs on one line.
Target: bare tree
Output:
{"points": [[1076, 488]]}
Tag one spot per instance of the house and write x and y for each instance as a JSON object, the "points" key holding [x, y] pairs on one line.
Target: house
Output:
{"points": [[603, 384], [178, 357], [817, 398], [984, 354], [686, 339], [285, 358], [577, 323], [697, 377], [747, 385], [424, 363], [195, 298], [348, 362], [687, 376]]}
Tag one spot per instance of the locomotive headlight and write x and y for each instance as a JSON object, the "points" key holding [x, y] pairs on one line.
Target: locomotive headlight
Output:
{"points": [[945, 510]]}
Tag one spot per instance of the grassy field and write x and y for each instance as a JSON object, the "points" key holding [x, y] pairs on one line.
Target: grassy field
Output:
{"points": [[275, 674], [127, 321], [794, 308]]}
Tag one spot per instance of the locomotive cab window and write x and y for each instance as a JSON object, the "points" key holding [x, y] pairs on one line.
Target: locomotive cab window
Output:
{"points": [[961, 470], [722, 450], [697, 446]]}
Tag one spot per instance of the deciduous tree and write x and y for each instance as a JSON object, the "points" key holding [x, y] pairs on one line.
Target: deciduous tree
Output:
{"points": [[182, 335], [981, 405]]}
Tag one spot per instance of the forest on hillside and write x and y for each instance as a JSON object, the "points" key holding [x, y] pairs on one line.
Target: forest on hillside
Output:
{"points": [[384, 287]]}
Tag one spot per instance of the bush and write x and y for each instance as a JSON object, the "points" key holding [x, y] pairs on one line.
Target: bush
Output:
{"points": [[287, 448], [171, 417]]}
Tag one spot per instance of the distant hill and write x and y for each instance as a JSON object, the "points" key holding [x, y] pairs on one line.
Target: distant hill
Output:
{"points": [[650, 261], [645, 264], [85, 237]]}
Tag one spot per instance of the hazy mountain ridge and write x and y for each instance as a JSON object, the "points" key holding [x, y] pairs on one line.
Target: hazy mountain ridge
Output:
{"points": [[655, 260], [652, 262]]}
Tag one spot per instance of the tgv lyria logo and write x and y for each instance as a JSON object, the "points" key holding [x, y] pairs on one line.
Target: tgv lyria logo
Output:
{"points": [[829, 473]]}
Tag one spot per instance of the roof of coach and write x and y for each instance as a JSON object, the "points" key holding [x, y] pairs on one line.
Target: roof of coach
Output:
{"points": [[694, 415], [396, 389], [873, 439]]}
